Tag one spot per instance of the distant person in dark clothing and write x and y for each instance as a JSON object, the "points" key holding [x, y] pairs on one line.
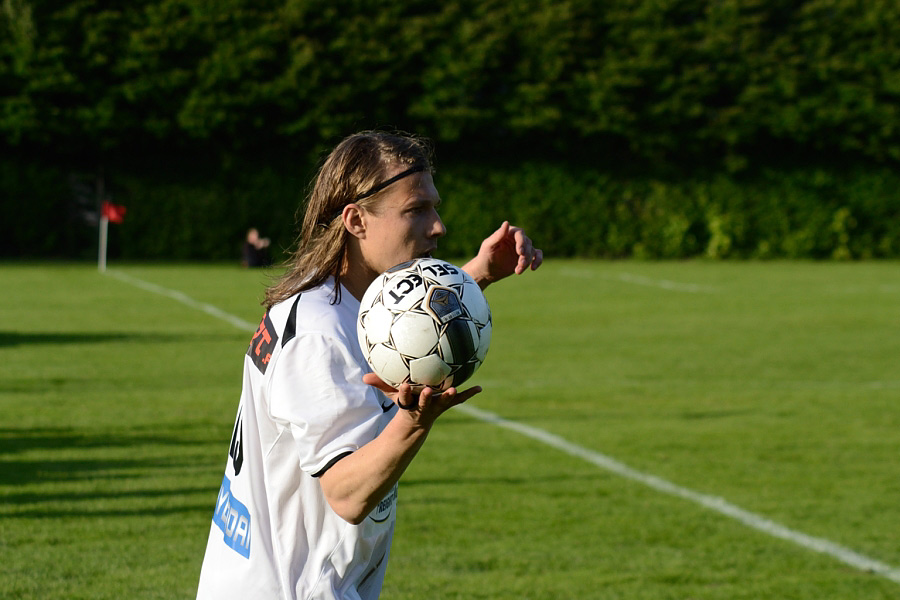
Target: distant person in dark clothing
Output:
{"points": [[256, 250]]}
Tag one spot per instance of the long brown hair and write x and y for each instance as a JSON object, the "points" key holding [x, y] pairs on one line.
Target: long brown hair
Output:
{"points": [[355, 167]]}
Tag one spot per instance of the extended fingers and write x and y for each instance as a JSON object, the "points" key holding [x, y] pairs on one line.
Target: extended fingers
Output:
{"points": [[441, 400], [463, 396], [499, 235], [538, 258], [407, 398], [529, 256]]}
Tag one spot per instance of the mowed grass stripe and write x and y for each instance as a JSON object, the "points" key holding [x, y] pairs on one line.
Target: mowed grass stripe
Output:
{"points": [[717, 504]]}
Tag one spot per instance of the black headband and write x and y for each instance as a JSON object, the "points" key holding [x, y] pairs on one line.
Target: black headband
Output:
{"points": [[397, 177], [381, 186]]}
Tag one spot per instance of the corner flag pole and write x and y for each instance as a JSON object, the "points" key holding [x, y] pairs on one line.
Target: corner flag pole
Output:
{"points": [[104, 230], [104, 222], [108, 212]]}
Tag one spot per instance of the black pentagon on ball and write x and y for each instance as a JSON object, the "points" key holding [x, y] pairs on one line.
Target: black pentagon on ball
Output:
{"points": [[464, 372], [402, 266], [459, 336]]}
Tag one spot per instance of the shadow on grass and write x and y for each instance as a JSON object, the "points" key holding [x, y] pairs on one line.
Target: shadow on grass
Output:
{"points": [[55, 470], [154, 511], [9, 339], [35, 497], [14, 440], [64, 472]]}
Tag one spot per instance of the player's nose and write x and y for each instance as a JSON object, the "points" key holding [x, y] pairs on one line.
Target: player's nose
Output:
{"points": [[437, 226]]}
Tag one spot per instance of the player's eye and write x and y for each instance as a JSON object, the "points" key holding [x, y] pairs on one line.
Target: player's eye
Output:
{"points": [[420, 209]]}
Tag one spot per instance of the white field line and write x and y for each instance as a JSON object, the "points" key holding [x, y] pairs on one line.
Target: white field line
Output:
{"points": [[719, 505], [632, 278], [184, 299], [714, 503]]}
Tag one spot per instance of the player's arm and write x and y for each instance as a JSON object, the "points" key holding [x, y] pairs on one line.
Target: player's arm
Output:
{"points": [[506, 251], [356, 484]]}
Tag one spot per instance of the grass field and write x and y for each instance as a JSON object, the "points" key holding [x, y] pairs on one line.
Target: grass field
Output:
{"points": [[773, 386]]}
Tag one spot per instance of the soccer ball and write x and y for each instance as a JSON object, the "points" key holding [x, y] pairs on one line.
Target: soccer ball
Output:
{"points": [[424, 322]]}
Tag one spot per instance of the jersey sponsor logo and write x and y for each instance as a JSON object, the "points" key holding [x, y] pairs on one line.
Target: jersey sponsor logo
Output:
{"points": [[385, 508], [262, 344], [236, 450], [233, 518]]}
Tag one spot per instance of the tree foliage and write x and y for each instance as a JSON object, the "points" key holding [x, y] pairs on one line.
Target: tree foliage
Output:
{"points": [[630, 88], [665, 79]]}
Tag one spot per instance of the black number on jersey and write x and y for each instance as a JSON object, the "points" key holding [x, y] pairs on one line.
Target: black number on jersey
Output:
{"points": [[236, 451]]}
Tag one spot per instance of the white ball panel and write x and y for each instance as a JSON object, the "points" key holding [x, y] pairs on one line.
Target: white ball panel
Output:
{"points": [[484, 341], [429, 370], [475, 302], [414, 334], [377, 324], [369, 298], [388, 364]]}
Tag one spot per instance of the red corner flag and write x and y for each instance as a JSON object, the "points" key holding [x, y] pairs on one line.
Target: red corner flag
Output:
{"points": [[110, 213], [114, 212]]}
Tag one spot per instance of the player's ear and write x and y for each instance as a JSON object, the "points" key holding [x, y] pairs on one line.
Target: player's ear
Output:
{"points": [[354, 220]]}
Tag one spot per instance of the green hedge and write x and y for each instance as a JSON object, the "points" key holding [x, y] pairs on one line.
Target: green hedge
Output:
{"points": [[569, 210], [803, 213], [205, 219], [41, 216]]}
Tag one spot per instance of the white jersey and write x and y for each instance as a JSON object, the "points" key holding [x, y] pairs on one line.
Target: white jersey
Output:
{"points": [[303, 407]]}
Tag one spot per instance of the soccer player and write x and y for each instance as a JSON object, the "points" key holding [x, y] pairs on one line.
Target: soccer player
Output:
{"points": [[308, 501]]}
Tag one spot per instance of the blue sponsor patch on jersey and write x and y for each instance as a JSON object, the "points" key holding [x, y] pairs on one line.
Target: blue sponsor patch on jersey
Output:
{"points": [[233, 518]]}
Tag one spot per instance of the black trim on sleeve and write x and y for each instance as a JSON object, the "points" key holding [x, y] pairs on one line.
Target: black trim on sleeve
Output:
{"points": [[331, 463], [290, 328]]}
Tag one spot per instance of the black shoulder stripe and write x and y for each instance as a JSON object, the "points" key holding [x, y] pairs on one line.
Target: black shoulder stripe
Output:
{"points": [[290, 329], [331, 463]]}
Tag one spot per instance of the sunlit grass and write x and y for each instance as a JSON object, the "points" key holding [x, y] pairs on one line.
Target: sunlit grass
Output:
{"points": [[772, 385]]}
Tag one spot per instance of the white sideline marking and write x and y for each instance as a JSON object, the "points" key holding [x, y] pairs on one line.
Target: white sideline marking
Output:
{"points": [[665, 284], [184, 299], [675, 286], [717, 504]]}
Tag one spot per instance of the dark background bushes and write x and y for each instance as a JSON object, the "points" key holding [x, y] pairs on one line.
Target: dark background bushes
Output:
{"points": [[646, 128]]}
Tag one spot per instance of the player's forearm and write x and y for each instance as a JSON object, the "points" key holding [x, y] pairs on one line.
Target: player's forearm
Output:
{"points": [[356, 484]]}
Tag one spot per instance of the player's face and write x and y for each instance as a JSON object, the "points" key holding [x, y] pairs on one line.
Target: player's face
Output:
{"points": [[404, 225]]}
